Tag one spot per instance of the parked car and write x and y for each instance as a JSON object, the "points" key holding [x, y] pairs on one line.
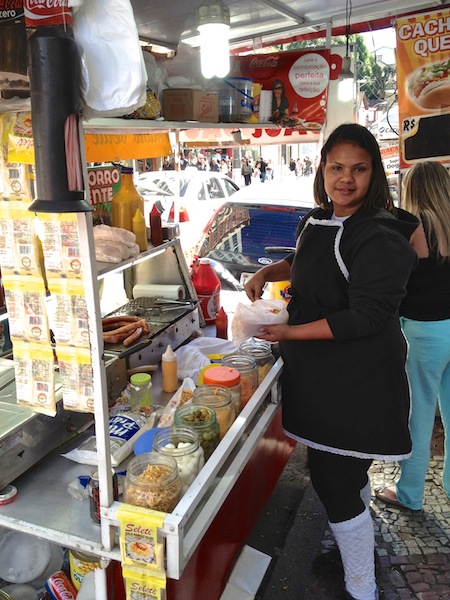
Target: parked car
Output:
{"points": [[248, 232], [194, 194]]}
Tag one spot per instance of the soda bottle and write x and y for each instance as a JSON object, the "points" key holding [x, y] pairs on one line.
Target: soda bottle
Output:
{"points": [[207, 286]]}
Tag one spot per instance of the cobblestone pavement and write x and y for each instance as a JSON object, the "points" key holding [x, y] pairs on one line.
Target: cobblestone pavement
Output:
{"points": [[413, 547]]}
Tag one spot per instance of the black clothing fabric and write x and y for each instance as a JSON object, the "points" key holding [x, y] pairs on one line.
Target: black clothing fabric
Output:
{"points": [[428, 289], [350, 395], [338, 481]]}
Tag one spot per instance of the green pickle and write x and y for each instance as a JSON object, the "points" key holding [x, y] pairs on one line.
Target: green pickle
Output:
{"points": [[202, 419]]}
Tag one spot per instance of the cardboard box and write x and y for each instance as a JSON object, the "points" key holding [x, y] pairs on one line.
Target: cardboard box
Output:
{"points": [[190, 105]]}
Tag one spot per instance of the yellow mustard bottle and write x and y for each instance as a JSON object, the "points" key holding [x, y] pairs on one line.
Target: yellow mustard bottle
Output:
{"points": [[169, 368], [140, 230], [126, 200]]}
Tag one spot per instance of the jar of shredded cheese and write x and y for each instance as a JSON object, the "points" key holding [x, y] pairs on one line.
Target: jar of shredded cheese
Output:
{"points": [[152, 481], [218, 398], [184, 446]]}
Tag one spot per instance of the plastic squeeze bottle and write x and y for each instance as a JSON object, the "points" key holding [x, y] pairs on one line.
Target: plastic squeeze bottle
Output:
{"points": [[156, 236], [222, 324], [140, 230], [207, 286], [169, 367], [126, 200]]}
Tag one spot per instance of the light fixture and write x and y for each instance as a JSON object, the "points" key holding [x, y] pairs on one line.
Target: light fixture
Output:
{"points": [[213, 22], [346, 76]]}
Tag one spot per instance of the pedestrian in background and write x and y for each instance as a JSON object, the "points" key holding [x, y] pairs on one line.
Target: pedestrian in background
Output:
{"points": [[344, 387], [426, 323], [247, 171]]}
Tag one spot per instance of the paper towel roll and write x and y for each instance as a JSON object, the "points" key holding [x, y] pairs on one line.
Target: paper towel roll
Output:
{"points": [[150, 290], [265, 105]]}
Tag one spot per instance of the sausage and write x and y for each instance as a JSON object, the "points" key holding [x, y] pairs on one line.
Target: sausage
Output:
{"points": [[133, 337], [124, 318], [128, 328]]}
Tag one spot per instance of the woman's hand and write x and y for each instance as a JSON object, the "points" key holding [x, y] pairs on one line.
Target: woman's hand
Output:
{"points": [[274, 333], [255, 286]]}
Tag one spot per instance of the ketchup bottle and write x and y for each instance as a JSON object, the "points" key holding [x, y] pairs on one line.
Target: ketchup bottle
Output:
{"points": [[207, 286], [156, 236], [222, 324]]}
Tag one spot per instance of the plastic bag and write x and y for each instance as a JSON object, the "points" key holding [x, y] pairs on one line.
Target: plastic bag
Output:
{"points": [[114, 78], [182, 396], [248, 318]]}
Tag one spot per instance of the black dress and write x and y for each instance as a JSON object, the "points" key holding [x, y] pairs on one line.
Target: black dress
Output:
{"points": [[350, 395]]}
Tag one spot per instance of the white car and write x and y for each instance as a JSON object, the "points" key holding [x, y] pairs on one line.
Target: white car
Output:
{"points": [[188, 197]]}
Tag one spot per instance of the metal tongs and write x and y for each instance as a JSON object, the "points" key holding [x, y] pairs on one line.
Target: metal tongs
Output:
{"points": [[162, 305]]}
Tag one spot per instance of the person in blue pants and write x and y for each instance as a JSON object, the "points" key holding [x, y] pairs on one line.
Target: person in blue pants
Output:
{"points": [[425, 321]]}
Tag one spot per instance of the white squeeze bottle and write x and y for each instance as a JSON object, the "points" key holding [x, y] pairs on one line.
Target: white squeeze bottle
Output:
{"points": [[169, 367]]}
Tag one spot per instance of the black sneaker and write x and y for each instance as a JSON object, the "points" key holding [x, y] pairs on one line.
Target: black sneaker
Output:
{"points": [[330, 565], [346, 596]]}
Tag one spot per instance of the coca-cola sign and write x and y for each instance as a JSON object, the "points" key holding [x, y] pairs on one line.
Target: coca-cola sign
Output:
{"points": [[47, 12], [10, 9]]}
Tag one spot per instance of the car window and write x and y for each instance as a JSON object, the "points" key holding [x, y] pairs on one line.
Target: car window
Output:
{"points": [[243, 237], [230, 187], [214, 188]]}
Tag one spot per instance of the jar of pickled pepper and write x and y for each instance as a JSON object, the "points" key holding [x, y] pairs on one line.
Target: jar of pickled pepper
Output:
{"points": [[202, 419], [218, 398]]}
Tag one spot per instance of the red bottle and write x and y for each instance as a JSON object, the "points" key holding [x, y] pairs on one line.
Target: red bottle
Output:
{"points": [[207, 286], [155, 226], [222, 324]]}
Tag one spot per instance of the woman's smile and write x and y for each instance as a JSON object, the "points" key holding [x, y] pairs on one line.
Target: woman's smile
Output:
{"points": [[347, 175]]}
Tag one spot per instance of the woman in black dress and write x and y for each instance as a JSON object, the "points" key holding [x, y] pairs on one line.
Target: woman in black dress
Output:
{"points": [[345, 391]]}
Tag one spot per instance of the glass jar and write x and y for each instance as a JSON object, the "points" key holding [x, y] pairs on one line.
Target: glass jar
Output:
{"points": [[152, 481], [202, 419], [246, 365], [261, 351], [141, 393], [229, 378], [218, 398], [184, 446]]}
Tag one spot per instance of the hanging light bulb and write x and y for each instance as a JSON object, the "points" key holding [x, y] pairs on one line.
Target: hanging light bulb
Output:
{"points": [[346, 81], [213, 19], [346, 77]]}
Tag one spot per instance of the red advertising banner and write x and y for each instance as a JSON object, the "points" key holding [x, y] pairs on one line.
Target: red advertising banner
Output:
{"points": [[296, 84], [423, 75]]}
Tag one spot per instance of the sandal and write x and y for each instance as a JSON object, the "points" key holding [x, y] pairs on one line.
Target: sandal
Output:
{"points": [[389, 496]]}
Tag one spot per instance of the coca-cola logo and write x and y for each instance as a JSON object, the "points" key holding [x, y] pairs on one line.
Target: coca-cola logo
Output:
{"points": [[271, 62], [260, 68], [11, 5], [45, 4]]}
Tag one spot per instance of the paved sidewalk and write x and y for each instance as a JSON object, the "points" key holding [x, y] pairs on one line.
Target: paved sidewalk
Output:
{"points": [[413, 547]]}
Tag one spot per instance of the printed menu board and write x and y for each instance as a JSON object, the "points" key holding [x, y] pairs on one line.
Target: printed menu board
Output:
{"points": [[423, 75]]}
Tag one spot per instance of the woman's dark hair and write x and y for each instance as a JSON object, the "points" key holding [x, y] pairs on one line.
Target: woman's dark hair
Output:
{"points": [[378, 195], [281, 84]]}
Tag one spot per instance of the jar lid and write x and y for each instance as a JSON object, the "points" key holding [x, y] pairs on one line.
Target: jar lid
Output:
{"points": [[226, 376], [140, 379]]}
